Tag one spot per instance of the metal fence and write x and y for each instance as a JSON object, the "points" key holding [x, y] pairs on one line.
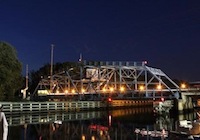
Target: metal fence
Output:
{"points": [[18, 107]]}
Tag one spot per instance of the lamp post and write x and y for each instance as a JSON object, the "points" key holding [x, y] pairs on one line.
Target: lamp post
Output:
{"points": [[81, 77], [141, 89], [159, 88], [122, 89], [51, 69]]}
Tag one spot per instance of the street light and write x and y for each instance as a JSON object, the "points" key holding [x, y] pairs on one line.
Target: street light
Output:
{"points": [[141, 88], [73, 91], [122, 89], [111, 89], [183, 85], [82, 90], [66, 91], [159, 87], [104, 89]]}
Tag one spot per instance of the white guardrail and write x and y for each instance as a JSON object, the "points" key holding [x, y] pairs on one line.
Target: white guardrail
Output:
{"points": [[17, 107]]}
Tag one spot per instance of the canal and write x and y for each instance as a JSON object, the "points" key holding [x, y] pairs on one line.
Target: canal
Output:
{"points": [[118, 124]]}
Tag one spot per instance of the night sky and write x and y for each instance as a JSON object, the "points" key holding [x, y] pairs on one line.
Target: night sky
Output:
{"points": [[165, 33]]}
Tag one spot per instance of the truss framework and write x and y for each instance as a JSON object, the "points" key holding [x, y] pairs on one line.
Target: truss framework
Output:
{"points": [[110, 77]]}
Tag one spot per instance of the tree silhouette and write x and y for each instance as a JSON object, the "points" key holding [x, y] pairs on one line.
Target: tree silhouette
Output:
{"points": [[10, 72]]}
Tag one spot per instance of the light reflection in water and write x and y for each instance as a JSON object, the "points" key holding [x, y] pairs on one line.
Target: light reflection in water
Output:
{"points": [[110, 120], [95, 125]]}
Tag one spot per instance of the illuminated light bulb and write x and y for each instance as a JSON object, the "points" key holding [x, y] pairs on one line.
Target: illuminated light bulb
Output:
{"points": [[73, 91], [122, 89], [104, 90], [159, 87], [83, 90], [141, 88], [183, 86], [66, 91], [111, 89]]}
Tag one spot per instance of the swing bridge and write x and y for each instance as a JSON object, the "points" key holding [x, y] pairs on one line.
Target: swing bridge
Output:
{"points": [[116, 79]]}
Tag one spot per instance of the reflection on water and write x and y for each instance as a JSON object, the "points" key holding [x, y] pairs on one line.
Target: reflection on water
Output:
{"points": [[95, 125]]}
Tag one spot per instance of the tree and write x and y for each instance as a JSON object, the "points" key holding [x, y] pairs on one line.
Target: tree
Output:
{"points": [[10, 71], [44, 72]]}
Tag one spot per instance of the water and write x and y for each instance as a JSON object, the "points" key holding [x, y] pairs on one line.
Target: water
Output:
{"points": [[93, 125]]}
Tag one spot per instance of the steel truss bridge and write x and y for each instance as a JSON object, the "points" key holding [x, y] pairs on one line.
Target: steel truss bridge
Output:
{"points": [[104, 79]]}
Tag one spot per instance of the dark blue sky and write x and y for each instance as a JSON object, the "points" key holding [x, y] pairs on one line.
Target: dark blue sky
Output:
{"points": [[163, 32]]}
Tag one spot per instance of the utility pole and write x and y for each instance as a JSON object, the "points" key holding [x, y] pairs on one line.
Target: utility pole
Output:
{"points": [[27, 76], [51, 69], [23, 91], [81, 76]]}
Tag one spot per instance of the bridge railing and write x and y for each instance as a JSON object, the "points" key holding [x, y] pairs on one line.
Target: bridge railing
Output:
{"points": [[114, 63], [18, 107], [126, 103]]}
